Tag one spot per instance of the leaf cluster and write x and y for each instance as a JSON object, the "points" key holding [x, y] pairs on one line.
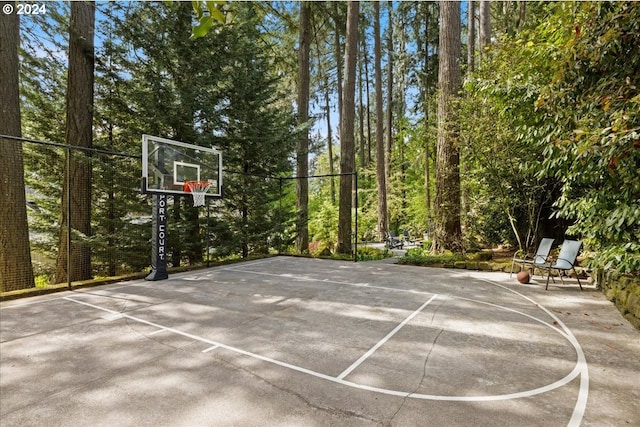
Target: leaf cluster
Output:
{"points": [[592, 110], [553, 114]]}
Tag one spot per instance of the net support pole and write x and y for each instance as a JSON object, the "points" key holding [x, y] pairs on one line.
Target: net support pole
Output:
{"points": [[159, 239], [355, 249], [68, 207]]}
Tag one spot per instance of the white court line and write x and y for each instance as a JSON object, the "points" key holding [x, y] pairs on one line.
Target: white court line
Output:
{"points": [[257, 262], [334, 282], [291, 276], [213, 347], [581, 365], [213, 343], [384, 340], [490, 304], [579, 369]]}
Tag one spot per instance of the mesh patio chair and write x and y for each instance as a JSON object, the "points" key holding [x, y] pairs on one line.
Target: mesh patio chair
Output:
{"points": [[532, 260], [566, 261], [407, 238], [393, 241]]}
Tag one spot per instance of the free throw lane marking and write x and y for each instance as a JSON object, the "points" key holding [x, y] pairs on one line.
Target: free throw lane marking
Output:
{"points": [[383, 340]]}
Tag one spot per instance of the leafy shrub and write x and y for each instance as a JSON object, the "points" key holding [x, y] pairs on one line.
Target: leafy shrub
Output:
{"points": [[321, 248], [480, 256], [420, 256], [368, 253]]}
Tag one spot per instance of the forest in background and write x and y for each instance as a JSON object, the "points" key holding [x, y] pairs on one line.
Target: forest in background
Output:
{"points": [[477, 123]]}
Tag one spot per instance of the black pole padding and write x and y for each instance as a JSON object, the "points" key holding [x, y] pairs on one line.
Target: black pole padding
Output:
{"points": [[159, 239]]}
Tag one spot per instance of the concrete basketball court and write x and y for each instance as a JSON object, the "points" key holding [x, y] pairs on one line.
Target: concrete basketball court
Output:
{"points": [[301, 342]]}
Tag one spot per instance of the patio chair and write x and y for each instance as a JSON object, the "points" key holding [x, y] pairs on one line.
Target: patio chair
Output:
{"points": [[531, 260], [565, 262], [393, 241], [407, 238]]}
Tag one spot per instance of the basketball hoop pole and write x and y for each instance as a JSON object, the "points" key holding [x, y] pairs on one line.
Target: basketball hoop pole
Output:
{"points": [[159, 239]]}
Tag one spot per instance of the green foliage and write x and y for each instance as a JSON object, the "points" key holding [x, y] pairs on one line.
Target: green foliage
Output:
{"points": [[42, 281], [256, 135], [323, 221], [592, 140], [420, 256], [501, 144], [550, 122], [368, 253], [424, 256], [207, 14], [407, 196], [224, 90], [553, 115]]}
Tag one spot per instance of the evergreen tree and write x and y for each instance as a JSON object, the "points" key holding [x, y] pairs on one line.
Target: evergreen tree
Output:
{"points": [[120, 233], [76, 212], [447, 206], [302, 146], [256, 137], [175, 86], [381, 174], [15, 256], [347, 130], [43, 88]]}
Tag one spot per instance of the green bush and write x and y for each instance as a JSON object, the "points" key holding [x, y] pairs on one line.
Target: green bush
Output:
{"points": [[480, 256], [368, 253], [420, 256]]}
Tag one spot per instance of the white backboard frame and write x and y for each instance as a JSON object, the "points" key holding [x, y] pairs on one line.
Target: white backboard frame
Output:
{"points": [[162, 176]]}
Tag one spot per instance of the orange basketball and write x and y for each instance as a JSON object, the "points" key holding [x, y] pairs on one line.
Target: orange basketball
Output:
{"points": [[523, 277]]}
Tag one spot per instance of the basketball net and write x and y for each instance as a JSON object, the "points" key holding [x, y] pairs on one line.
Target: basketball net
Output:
{"points": [[198, 189]]}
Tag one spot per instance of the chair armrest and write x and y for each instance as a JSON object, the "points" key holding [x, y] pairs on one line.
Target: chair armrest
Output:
{"points": [[524, 256]]}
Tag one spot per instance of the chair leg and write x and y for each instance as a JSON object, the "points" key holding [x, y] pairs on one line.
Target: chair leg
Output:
{"points": [[511, 273], [548, 276], [577, 278]]}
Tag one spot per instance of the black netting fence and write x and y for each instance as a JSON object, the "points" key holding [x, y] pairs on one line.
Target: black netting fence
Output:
{"points": [[87, 218], [85, 212]]}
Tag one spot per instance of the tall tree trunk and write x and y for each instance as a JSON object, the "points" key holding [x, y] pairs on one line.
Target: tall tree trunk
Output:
{"points": [[347, 134], [381, 175], [324, 76], [522, 14], [485, 24], [329, 141], [302, 145], [361, 82], [79, 133], [366, 79], [448, 234], [16, 271], [427, 101], [389, 112], [338, 55], [471, 36]]}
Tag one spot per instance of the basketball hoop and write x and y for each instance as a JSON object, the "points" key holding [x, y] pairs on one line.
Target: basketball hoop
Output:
{"points": [[198, 189]]}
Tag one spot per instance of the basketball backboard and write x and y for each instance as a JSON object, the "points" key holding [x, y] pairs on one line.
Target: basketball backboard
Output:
{"points": [[168, 165]]}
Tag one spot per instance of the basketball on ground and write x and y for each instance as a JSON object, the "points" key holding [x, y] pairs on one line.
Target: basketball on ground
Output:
{"points": [[523, 277]]}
